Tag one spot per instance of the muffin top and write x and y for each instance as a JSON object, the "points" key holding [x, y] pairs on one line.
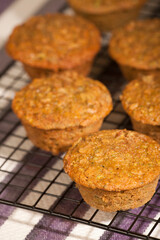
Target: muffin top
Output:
{"points": [[113, 160], [61, 101], [137, 44], [94, 6], [141, 99], [54, 41]]}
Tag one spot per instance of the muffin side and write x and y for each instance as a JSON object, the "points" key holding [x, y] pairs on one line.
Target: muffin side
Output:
{"points": [[107, 15], [131, 73], [33, 72], [148, 129], [111, 201], [59, 140]]}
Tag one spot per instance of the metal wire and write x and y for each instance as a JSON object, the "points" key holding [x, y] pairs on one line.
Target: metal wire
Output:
{"points": [[32, 166]]}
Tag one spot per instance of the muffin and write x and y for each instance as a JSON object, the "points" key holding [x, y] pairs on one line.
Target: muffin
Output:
{"points": [[53, 43], [141, 101], [136, 48], [114, 169], [57, 110], [107, 14]]}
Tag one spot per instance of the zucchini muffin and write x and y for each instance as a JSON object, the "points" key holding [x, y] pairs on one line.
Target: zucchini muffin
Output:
{"points": [[136, 48], [141, 101], [57, 110], [53, 43], [107, 14], [114, 169]]}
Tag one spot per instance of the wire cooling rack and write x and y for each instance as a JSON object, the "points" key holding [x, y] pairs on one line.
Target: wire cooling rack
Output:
{"points": [[34, 179]]}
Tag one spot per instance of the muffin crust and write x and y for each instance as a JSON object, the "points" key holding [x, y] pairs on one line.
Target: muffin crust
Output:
{"points": [[113, 160], [141, 100], [137, 44], [54, 41], [101, 6], [63, 100]]}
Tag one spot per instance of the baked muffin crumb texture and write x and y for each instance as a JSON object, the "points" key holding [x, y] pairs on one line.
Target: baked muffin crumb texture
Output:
{"points": [[62, 101], [54, 42], [137, 44], [113, 160], [141, 99]]}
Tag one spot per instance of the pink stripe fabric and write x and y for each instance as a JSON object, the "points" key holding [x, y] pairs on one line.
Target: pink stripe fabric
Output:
{"points": [[4, 4]]}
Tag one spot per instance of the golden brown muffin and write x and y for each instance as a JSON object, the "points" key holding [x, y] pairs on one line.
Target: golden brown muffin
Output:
{"points": [[114, 169], [53, 43], [141, 100], [57, 110], [107, 14], [136, 48]]}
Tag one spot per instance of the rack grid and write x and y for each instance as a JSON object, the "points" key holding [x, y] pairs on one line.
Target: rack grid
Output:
{"points": [[35, 180]]}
